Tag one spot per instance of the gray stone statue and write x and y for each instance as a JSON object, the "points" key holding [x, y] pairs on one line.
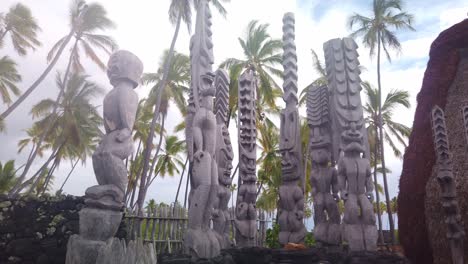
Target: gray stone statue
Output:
{"points": [[246, 214], [200, 241], [291, 195], [101, 217], [349, 133], [446, 179], [324, 178], [224, 156]]}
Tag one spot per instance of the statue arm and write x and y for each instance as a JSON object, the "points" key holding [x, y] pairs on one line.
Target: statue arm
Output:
{"points": [[334, 183], [128, 103], [369, 183], [341, 175]]}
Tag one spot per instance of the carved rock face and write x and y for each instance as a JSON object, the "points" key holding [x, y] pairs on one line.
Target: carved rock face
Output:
{"points": [[124, 65], [247, 166], [321, 155]]}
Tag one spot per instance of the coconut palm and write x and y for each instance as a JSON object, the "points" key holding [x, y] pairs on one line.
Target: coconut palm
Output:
{"points": [[392, 130], [177, 83], [269, 174], [22, 28], [75, 125], [85, 22], [170, 160], [179, 10], [376, 32], [262, 53], [321, 79], [7, 176], [9, 76]]}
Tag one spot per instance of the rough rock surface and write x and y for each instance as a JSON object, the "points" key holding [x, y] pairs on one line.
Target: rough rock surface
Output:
{"points": [[276, 256], [37, 230], [419, 191]]}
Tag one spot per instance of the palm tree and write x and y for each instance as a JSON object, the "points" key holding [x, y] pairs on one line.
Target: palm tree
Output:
{"points": [[169, 161], [376, 32], [22, 28], [269, 174], [262, 53], [85, 21], [321, 79], [179, 10], [391, 129], [7, 176], [75, 130], [9, 76]]}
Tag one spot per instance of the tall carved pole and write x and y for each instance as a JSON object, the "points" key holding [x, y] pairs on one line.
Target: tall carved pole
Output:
{"points": [[324, 178], [224, 156], [291, 195], [201, 241], [446, 179], [246, 215], [350, 141]]}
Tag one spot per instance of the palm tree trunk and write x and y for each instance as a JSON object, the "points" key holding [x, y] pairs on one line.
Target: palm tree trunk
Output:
{"points": [[141, 194], [380, 124], [377, 195], [3, 35], [33, 178], [54, 111], [44, 187], [51, 65], [68, 176], [180, 182], [187, 184]]}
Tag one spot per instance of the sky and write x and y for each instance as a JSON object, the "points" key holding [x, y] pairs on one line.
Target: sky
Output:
{"points": [[143, 28]]}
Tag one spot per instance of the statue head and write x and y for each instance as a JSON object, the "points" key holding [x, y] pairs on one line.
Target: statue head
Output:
{"points": [[352, 138], [224, 156], [247, 167], [321, 155], [290, 163], [206, 86], [124, 66]]}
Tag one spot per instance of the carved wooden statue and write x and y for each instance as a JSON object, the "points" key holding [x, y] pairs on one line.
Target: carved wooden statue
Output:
{"points": [[324, 178], [350, 142], [224, 156], [246, 215], [201, 241], [291, 195], [446, 179], [101, 217]]}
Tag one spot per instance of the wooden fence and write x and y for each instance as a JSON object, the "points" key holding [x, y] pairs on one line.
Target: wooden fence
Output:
{"points": [[164, 226]]}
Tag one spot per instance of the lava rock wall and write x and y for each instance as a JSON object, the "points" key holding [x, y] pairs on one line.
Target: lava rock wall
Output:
{"points": [[419, 207], [37, 230]]}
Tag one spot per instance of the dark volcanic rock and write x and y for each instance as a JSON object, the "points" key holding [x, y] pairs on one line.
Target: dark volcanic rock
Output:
{"points": [[280, 256]]}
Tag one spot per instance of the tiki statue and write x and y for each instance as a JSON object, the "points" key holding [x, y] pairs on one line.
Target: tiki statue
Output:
{"points": [[291, 195], [224, 156], [324, 181], [246, 215], [350, 144], [201, 241]]}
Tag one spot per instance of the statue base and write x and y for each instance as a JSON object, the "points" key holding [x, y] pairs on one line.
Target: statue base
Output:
{"points": [[200, 243], [328, 233], [360, 237]]}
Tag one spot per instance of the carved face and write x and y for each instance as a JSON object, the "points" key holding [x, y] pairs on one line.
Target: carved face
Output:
{"points": [[124, 65], [321, 155], [352, 138], [247, 167], [206, 84], [289, 165], [224, 156]]}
